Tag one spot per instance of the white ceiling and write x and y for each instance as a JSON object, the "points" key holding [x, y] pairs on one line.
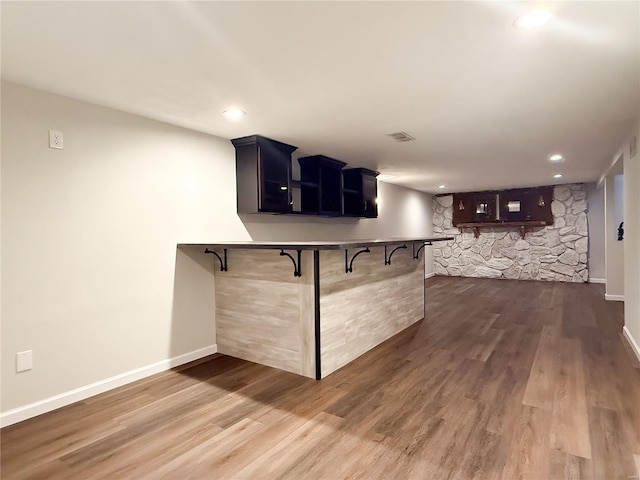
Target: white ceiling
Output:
{"points": [[486, 102]]}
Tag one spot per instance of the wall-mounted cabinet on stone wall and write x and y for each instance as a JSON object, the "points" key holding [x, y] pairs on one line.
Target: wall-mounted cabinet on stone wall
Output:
{"points": [[513, 205], [556, 252]]}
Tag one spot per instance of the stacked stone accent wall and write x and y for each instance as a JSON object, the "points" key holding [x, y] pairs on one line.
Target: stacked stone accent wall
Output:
{"points": [[556, 252]]}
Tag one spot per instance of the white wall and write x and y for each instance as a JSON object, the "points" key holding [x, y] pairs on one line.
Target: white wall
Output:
{"points": [[89, 239], [595, 215], [632, 243], [618, 191], [614, 249], [631, 201], [92, 280], [401, 212]]}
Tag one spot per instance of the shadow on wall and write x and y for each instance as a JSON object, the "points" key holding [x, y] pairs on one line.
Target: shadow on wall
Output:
{"points": [[264, 227], [402, 212], [193, 312]]}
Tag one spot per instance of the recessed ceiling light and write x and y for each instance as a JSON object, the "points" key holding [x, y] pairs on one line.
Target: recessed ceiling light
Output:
{"points": [[556, 157], [442, 186], [557, 175], [533, 19], [234, 113]]}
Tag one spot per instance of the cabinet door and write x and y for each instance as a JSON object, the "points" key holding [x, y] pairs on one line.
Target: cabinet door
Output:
{"points": [[370, 196], [464, 208], [360, 192], [484, 207], [331, 191], [352, 193], [513, 205], [538, 204], [275, 179], [321, 185]]}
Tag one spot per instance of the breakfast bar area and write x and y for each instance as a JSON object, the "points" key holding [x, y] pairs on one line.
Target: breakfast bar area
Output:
{"points": [[312, 307]]}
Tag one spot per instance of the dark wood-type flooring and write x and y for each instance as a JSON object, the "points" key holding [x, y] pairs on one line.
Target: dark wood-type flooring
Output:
{"points": [[502, 380]]}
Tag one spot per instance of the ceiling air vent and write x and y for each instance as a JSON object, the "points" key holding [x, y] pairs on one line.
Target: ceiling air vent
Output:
{"points": [[401, 137]]}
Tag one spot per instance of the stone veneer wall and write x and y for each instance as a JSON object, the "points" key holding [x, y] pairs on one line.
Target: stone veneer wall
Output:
{"points": [[557, 252]]}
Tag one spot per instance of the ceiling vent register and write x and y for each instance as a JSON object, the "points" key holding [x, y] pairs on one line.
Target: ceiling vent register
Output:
{"points": [[401, 137]]}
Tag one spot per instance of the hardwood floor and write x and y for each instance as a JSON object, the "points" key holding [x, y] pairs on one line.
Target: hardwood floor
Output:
{"points": [[502, 380]]}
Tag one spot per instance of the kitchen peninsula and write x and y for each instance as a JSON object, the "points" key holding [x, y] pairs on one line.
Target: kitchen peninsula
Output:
{"points": [[312, 307]]}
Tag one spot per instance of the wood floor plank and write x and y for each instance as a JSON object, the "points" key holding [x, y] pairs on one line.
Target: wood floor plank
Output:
{"points": [[278, 424], [240, 455], [612, 455], [53, 470], [529, 455], [298, 445], [155, 448], [502, 379], [627, 382], [55, 447], [42, 432], [204, 459], [506, 405], [544, 371], [568, 467], [482, 458], [351, 450], [485, 344], [570, 426]]}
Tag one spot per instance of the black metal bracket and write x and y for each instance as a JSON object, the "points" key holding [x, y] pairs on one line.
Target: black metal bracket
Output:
{"points": [[387, 260], [223, 263], [348, 265], [416, 253], [296, 266]]}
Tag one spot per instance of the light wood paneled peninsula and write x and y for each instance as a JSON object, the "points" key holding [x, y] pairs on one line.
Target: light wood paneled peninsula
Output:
{"points": [[312, 307]]}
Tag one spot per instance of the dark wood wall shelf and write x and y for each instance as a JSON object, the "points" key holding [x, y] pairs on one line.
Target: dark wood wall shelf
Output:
{"points": [[522, 226]]}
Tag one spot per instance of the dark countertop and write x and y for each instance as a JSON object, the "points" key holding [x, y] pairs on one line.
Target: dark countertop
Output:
{"points": [[318, 245]]}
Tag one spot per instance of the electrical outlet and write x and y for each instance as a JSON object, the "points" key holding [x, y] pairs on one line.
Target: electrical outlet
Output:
{"points": [[24, 361], [56, 139]]}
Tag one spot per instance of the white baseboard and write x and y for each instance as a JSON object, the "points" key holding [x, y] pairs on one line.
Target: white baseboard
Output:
{"points": [[597, 280], [632, 342], [67, 398], [429, 275], [614, 298]]}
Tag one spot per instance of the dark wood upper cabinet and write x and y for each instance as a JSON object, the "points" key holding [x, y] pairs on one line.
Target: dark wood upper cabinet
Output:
{"points": [[505, 206], [264, 183], [321, 185], [360, 192], [263, 175]]}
